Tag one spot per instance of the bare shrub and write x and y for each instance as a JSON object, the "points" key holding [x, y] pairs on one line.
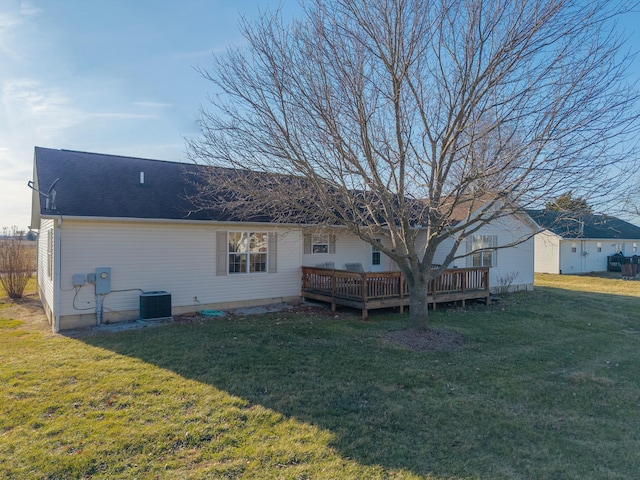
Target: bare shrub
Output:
{"points": [[505, 281], [17, 262]]}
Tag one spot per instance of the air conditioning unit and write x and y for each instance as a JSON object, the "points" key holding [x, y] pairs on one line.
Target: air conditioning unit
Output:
{"points": [[155, 305]]}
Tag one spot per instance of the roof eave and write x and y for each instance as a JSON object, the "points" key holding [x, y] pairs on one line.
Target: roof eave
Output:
{"points": [[79, 218]]}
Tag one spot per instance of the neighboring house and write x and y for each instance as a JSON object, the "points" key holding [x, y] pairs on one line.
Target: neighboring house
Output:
{"points": [[570, 244], [112, 228]]}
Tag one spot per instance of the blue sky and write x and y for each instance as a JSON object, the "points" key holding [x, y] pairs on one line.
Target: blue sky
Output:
{"points": [[113, 76]]}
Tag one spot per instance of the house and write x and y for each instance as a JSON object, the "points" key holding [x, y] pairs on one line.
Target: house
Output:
{"points": [[570, 244], [114, 232]]}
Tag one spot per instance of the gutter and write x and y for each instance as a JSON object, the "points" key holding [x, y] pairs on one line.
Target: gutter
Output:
{"points": [[165, 220], [179, 221]]}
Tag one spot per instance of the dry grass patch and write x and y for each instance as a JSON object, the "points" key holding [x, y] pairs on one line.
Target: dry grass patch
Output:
{"points": [[603, 282]]}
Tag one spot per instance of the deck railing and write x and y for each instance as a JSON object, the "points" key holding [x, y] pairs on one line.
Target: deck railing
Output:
{"points": [[342, 284]]}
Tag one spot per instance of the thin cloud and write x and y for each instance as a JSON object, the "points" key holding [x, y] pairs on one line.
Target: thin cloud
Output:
{"points": [[153, 105], [208, 52], [31, 106], [10, 22], [28, 9], [119, 115]]}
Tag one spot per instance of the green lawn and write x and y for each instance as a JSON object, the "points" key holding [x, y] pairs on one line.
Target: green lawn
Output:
{"points": [[546, 387]]}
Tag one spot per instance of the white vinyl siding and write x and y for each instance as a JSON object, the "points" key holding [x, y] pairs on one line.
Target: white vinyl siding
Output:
{"points": [[590, 255], [547, 252], [184, 259], [177, 258], [50, 238], [46, 262], [344, 248], [518, 258], [515, 260]]}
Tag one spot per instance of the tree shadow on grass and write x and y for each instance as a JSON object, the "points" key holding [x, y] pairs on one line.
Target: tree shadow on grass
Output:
{"points": [[382, 405], [424, 412]]}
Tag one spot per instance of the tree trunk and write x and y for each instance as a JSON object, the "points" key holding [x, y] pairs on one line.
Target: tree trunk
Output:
{"points": [[418, 305]]}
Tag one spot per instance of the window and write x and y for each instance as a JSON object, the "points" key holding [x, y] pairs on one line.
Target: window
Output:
{"points": [[376, 255], [599, 246], [320, 243], [635, 247], [487, 256], [247, 252], [574, 247]]}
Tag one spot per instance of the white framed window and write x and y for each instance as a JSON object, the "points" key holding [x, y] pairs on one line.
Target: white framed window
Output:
{"points": [[320, 243], [484, 248], [635, 247], [247, 252], [574, 247], [599, 247], [376, 254]]}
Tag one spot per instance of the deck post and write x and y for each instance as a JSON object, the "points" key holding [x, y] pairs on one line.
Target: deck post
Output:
{"points": [[333, 290], [485, 275], [433, 287], [363, 294], [364, 286], [401, 291]]}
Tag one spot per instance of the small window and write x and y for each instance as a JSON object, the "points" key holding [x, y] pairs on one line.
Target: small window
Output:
{"points": [[635, 247], [320, 243], [247, 252], [599, 246], [487, 256], [574, 248], [376, 255]]}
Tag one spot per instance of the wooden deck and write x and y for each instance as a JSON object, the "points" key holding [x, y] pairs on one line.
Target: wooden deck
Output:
{"points": [[369, 291]]}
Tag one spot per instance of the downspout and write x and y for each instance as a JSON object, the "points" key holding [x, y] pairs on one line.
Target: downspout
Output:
{"points": [[57, 276], [560, 256]]}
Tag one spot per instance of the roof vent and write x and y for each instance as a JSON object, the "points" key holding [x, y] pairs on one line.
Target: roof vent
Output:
{"points": [[141, 178]]}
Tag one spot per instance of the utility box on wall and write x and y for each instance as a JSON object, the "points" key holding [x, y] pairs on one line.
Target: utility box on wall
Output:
{"points": [[103, 280], [155, 305]]}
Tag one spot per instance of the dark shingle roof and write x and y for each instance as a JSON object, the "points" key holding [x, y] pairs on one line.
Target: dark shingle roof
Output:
{"points": [[569, 225], [100, 185]]}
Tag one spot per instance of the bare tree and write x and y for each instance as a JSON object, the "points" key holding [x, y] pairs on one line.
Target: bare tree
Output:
{"points": [[17, 262], [401, 118]]}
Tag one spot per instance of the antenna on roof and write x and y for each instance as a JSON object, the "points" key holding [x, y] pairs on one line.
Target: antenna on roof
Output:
{"points": [[50, 195]]}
